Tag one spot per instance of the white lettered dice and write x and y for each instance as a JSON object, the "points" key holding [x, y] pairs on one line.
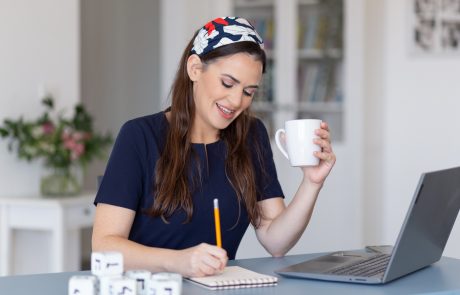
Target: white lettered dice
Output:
{"points": [[106, 263], [165, 284], [123, 286], [105, 282], [142, 278], [82, 285]]}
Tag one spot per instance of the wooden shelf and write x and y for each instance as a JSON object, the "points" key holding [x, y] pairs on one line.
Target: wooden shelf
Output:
{"points": [[253, 3], [308, 2], [319, 54], [314, 107]]}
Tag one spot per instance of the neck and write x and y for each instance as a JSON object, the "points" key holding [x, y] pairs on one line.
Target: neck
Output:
{"points": [[199, 134], [203, 137]]}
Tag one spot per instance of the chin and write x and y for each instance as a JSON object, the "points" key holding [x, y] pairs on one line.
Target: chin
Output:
{"points": [[222, 124]]}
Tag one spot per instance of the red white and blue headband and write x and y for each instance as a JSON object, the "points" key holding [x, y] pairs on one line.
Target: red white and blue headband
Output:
{"points": [[224, 31]]}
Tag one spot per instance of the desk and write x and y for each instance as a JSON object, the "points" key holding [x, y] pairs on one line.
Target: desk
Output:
{"points": [[64, 217], [440, 277]]}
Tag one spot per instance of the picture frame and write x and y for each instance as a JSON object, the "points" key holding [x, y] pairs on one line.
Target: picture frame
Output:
{"points": [[434, 27]]}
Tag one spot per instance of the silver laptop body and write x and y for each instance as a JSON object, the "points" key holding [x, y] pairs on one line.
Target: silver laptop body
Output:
{"points": [[420, 242]]}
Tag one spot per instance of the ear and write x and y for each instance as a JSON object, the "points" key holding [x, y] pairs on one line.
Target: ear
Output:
{"points": [[194, 67]]}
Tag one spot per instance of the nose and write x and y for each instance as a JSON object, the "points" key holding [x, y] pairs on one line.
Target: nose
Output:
{"points": [[236, 99]]}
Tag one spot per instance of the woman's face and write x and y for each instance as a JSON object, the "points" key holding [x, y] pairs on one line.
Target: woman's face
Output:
{"points": [[223, 89]]}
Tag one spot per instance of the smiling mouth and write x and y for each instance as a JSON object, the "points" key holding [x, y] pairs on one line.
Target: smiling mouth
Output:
{"points": [[224, 109]]}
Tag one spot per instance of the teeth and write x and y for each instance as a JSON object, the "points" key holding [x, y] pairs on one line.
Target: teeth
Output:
{"points": [[225, 110]]}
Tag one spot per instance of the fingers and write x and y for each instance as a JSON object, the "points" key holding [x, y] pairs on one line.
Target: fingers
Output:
{"points": [[324, 141], [218, 255], [328, 157], [207, 260], [212, 264], [324, 144], [323, 132]]}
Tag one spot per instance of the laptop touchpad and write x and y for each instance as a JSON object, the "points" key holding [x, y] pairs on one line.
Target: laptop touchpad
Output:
{"points": [[322, 264]]}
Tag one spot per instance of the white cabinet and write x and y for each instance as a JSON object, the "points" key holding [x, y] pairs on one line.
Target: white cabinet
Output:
{"points": [[337, 220], [304, 45], [62, 217]]}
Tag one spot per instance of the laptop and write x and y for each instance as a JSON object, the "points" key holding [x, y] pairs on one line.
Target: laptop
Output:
{"points": [[420, 242]]}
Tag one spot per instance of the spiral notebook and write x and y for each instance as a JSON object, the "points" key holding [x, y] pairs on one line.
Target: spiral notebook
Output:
{"points": [[234, 277]]}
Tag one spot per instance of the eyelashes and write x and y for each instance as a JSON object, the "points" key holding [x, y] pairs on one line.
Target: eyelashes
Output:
{"points": [[228, 86]]}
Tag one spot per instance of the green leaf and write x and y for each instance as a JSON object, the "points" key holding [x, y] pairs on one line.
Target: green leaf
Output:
{"points": [[3, 132], [48, 102]]}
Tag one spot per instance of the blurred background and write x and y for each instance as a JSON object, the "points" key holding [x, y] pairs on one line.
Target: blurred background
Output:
{"points": [[387, 85]]}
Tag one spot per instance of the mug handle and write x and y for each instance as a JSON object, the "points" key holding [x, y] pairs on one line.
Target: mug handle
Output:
{"points": [[278, 142]]}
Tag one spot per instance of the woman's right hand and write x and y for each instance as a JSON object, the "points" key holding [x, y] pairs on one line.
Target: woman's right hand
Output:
{"points": [[199, 261]]}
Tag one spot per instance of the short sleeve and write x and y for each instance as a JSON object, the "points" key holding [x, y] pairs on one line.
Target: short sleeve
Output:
{"points": [[122, 182], [267, 182]]}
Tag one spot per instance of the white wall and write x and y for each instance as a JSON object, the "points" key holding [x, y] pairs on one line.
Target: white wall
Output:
{"points": [[120, 61], [416, 100], [39, 45], [189, 16]]}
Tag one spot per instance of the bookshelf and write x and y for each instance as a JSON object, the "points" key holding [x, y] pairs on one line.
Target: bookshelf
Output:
{"points": [[305, 62]]}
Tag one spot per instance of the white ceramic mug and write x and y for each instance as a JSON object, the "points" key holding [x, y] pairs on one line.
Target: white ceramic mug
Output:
{"points": [[299, 135]]}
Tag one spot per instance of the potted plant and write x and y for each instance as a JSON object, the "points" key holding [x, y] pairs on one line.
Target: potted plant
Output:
{"points": [[66, 146]]}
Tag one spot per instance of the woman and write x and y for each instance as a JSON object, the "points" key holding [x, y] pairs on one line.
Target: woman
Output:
{"points": [[155, 203]]}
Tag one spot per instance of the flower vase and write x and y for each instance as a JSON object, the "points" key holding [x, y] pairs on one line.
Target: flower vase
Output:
{"points": [[61, 181]]}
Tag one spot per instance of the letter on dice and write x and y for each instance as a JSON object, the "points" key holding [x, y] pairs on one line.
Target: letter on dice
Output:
{"points": [[165, 284], [106, 263], [142, 278], [123, 286], [82, 285]]}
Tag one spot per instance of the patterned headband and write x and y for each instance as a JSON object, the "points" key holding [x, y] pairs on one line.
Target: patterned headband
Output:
{"points": [[223, 31]]}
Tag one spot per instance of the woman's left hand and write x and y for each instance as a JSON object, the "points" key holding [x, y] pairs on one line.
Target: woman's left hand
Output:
{"points": [[317, 174]]}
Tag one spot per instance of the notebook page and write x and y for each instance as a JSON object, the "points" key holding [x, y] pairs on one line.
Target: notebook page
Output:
{"points": [[236, 277]]}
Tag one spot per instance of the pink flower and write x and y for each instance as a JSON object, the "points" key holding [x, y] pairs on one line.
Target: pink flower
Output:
{"points": [[65, 135], [48, 128], [69, 143], [78, 135], [77, 151], [74, 142]]}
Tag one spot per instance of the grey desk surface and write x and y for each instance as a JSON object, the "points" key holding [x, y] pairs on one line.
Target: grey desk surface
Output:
{"points": [[442, 277]]}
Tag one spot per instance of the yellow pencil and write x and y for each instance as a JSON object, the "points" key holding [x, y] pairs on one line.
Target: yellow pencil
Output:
{"points": [[217, 223]]}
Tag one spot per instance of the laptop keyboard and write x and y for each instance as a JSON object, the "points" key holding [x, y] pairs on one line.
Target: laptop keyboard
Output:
{"points": [[366, 268]]}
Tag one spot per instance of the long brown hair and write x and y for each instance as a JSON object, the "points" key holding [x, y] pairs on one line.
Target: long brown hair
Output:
{"points": [[172, 188]]}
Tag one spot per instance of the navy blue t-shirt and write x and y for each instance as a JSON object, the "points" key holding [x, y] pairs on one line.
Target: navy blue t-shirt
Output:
{"points": [[129, 175]]}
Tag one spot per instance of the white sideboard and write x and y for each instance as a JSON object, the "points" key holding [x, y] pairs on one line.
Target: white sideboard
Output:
{"points": [[63, 217]]}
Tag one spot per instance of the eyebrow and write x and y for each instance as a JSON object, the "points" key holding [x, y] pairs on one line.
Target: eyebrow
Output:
{"points": [[238, 81]]}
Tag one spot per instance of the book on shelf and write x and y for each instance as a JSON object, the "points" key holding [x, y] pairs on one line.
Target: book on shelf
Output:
{"points": [[235, 277], [310, 30], [308, 78], [265, 27], [322, 31], [320, 28], [265, 91], [334, 35], [338, 85], [320, 82]]}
